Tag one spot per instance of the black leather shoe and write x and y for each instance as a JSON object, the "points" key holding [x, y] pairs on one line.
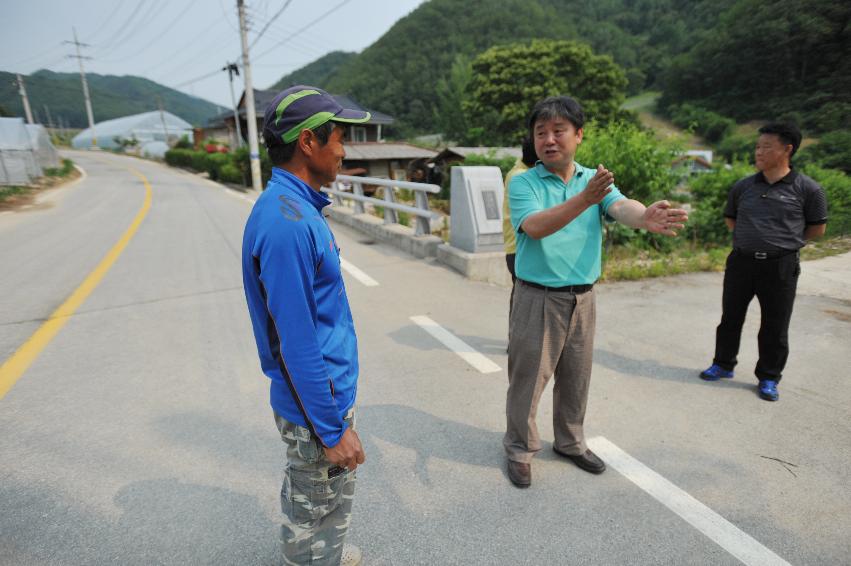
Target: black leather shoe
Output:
{"points": [[589, 461], [520, 474]]}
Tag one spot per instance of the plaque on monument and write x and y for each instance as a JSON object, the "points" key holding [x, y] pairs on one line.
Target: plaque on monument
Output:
{"points": [[476, 209]]}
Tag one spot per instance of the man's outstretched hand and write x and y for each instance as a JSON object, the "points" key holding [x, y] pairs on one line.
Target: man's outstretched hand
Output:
{"points": [[599, 186], [348, 453], [660, 218]]}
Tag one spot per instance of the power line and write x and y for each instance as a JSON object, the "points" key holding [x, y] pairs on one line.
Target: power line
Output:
{"points": [[294, 65], [302, 29], [265, 7], [37, 56], [153, 41], [122, 27], [191, 61], [196, 79], [107, 20], [269, 23], [313, 54], [55, 62], [145, 20], [306, 44], [289, 38], [225, 14], [205, 31]]}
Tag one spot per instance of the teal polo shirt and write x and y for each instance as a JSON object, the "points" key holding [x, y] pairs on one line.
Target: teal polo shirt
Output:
{"points": [[570, 256]]}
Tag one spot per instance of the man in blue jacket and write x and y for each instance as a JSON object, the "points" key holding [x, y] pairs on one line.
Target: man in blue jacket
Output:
{"points": [[303, 325]]}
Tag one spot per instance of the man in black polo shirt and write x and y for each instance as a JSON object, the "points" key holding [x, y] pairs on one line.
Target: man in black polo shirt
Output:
{"points": [[772, 215]]}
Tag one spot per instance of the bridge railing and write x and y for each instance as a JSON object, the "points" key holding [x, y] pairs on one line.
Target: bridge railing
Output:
{"points": [[390, 206]]}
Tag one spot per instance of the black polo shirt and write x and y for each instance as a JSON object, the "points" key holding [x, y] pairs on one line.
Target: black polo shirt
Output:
{"points": [[773, 217]]}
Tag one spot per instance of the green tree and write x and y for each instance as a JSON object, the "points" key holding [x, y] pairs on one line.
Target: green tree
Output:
{"points": [[508, 80], [641, 163], [183, 143], [737, 147], [449, 115], [837, 188], [709, 198], [832, 151], [642, 168], [710, 125]]}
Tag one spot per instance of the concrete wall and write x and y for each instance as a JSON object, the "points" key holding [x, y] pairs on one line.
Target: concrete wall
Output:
{"points": [[487, 267], [396, 235]]}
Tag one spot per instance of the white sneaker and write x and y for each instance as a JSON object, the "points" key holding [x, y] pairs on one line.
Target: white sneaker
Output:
{"points": [[351, 555]]}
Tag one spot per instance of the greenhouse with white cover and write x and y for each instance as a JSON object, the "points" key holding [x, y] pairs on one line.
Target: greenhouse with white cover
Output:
{"points": [[45, 151], [143, 128], [25, 151]]}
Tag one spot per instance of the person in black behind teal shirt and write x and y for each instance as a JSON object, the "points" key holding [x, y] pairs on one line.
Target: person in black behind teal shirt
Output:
{"points": [[303, 324], [772, 215]]}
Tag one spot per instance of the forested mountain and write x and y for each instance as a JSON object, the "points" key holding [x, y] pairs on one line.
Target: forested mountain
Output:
{"points": [[785, 58], [316, 73], [709, 51], [399, 72], [112, 97]]}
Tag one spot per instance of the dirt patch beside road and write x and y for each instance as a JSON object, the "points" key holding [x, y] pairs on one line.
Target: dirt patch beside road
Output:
{"points": [[20, 198]]}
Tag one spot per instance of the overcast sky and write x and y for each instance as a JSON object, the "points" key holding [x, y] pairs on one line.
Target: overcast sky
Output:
{"points": [[175, 42]]}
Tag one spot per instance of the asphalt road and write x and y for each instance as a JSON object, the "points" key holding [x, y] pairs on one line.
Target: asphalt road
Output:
{"points": [[141, 432]]}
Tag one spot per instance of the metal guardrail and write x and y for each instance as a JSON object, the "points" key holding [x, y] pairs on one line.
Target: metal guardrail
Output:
{"points": [[420, 211]]}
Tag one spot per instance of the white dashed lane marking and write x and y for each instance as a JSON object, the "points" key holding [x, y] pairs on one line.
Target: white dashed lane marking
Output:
{"points": [[470, 355], [365, 279], [726, 535]]}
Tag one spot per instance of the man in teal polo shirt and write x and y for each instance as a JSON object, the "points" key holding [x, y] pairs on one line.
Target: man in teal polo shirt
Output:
{"points": [[557, 209]]}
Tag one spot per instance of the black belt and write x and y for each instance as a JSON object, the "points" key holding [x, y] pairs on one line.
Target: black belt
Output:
{"points": [[575, 289], [765, 255]]}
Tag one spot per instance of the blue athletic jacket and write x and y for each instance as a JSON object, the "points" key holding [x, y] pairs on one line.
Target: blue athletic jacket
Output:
{"points": [[298, 306]]}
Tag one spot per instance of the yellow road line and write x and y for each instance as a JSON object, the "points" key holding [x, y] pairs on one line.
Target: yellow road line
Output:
{"points": [[14, 367]]}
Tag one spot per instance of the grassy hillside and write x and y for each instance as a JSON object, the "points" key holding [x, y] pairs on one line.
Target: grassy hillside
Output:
{"points": [[644, 105], [398, 74], [112, 97], [316, 73]]}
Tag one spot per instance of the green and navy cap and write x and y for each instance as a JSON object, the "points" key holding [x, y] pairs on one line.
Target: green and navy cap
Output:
{"points": [[301, 108]]}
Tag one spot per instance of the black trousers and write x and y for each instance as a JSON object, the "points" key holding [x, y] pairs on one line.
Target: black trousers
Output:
{"points": [[509, 263], [774, 282]]}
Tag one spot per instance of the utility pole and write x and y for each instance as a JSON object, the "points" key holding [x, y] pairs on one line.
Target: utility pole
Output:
{"points": [[49, 119], [233, 69], [85, 84], [254, 150], [162, 118], [22, 90]]}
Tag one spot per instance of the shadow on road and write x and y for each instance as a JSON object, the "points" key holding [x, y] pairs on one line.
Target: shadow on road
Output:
{"points": [[212, 434], [431, 437], [633, 367], [162, 521]]}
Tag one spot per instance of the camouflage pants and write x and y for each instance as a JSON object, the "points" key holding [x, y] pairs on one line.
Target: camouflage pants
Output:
{"points": [[316, 499]]}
